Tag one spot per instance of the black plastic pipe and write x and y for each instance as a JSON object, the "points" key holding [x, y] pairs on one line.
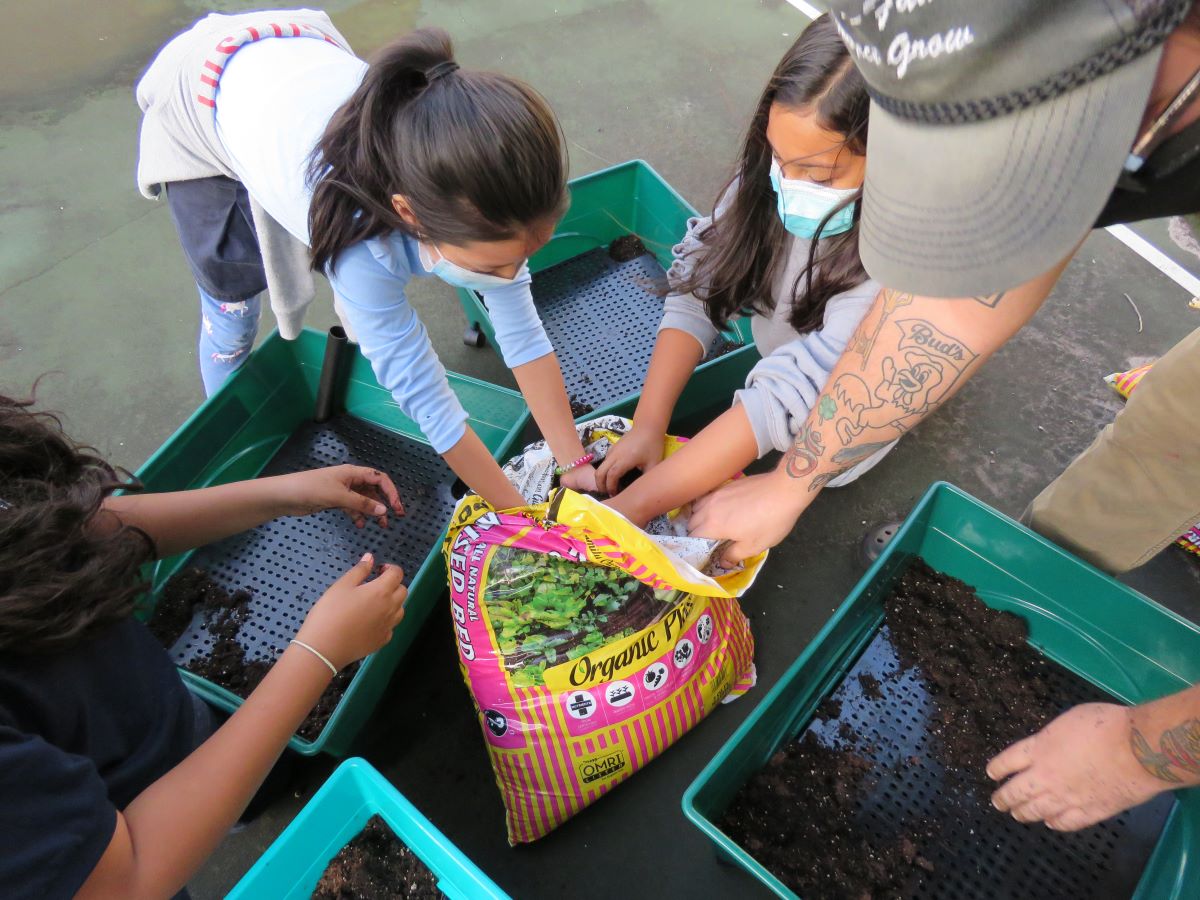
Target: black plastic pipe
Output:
{"points": [[331, 387]]}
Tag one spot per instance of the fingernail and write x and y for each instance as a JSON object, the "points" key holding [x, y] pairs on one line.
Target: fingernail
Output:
{"points": [[380, 509], [366, 557]]}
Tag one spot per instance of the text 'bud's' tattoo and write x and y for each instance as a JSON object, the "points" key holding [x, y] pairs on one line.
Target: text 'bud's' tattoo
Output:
{"points": [[913, 380]]}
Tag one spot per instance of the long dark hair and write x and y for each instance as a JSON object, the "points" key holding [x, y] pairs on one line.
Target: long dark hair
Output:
{"points": [[478, 155], [745, 246], [64, 574]]}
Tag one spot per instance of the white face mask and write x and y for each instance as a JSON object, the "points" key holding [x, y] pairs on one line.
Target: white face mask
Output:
{"points": [[456, 275], [803, 205]]}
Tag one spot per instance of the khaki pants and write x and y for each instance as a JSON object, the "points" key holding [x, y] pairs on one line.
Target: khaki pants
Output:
{"points": [[1137, 487]]}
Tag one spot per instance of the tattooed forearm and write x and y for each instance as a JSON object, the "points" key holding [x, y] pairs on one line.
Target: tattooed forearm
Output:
{"points": [[909, 367], [914, 378], [990, 300], [1178, 748], [852, 456], [845, 460], [867, 334], [806, 451]]}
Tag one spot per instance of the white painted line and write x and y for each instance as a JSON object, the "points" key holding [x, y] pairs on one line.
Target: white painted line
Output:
{"points": [[1156, 258], [807, 8]]}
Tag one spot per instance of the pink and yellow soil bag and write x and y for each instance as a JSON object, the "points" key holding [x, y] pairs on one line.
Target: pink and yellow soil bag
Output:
{"points": [[588, 645]]}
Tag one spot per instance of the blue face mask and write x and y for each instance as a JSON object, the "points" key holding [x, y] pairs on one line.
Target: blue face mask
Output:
{"points": [[802, 205], [456, 275]]}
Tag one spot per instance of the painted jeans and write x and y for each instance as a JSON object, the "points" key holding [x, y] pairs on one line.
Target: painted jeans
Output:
{"points": [[227, 332]]}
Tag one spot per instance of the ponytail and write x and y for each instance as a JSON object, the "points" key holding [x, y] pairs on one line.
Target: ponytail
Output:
{"points": [[479, 156]]}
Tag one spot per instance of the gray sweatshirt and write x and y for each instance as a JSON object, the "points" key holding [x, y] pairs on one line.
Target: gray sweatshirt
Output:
{"points": [[785, 384]]}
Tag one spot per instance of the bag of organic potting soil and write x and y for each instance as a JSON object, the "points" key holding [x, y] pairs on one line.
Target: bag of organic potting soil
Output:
{"points": [[589, 645]]}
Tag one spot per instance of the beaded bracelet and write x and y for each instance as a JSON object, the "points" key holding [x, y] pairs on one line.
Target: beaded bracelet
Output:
{"points": [[582, 461]]}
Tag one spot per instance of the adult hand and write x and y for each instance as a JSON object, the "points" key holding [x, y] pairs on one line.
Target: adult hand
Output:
{"points": [[752, 513], [358, 490], [355, 617], [1075, 772], [582, 478], [640, 448]]}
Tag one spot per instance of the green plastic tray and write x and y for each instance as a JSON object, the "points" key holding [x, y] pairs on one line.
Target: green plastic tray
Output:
{"points": [[294, 863], [1099, 629], [237, 431], [631, 198]]}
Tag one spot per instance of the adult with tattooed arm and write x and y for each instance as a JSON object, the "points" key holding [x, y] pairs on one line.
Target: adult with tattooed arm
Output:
{"points": [[1001, 133]]}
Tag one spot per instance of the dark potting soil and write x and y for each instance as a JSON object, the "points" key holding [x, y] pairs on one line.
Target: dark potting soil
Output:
{"points": [[626, 247], [192, 591], [376, 864], [622, 483], [801, 815], [723, 347], [579, 407], [870, 686]]}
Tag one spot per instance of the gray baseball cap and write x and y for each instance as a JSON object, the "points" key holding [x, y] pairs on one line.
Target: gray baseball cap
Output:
{"points": [[998, 129]]}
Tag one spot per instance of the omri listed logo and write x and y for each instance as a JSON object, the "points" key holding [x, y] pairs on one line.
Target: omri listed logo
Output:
{"points": [[600, 766]]}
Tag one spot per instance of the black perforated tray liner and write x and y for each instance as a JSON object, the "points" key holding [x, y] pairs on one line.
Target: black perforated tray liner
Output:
{"points": [[977, 852], [286, 564], [602, 317]]}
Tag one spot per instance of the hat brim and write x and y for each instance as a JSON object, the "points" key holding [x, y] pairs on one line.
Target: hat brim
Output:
{"points": [[972, 209]]}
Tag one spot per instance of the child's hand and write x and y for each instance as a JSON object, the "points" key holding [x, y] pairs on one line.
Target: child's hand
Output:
{"points": [[640, 448], [355, 617], [360, 491], [580, 479]]}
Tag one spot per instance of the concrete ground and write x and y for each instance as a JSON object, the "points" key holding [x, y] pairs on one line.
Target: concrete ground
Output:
{"points": [[94, 291]]}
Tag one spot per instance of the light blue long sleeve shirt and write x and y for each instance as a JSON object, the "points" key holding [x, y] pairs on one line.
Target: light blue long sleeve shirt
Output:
{"points": [[369, 279], [275, 99]]}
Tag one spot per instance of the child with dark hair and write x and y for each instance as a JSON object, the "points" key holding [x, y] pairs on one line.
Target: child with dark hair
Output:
{"points": [[782, 244], [115, 783], [281, 152]]}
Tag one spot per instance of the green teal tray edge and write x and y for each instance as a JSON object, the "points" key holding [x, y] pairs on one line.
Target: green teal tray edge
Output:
{"points": [[427, 584], [291, 866], [1172, 871]]}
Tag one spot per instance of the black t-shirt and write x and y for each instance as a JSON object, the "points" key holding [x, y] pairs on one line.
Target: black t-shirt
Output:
{"points": [[1168, 185], [82, 733]]}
